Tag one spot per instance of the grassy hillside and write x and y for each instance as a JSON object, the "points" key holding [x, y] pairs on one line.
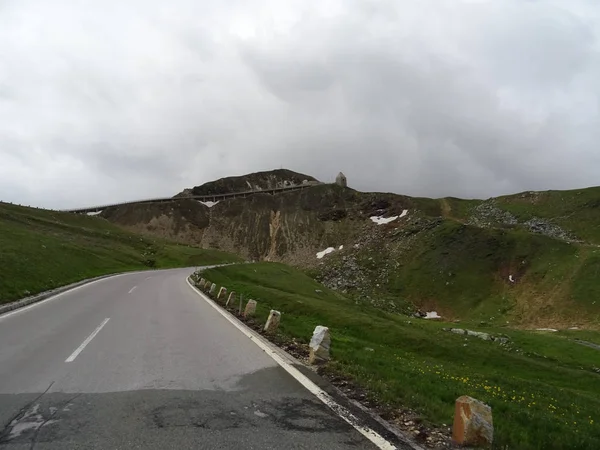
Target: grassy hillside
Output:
{"points": [[466, 272], [576, 210], [42, 249], [462, 271], [542, 387]]}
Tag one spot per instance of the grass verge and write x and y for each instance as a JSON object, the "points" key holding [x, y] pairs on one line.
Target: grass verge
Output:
{"points": [[41, 250], [542, 387]]}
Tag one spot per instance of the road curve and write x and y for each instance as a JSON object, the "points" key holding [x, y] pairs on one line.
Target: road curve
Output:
{"points": [[139, 361]]}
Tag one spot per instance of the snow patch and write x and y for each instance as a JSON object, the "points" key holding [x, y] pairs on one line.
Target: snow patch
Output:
{"points": [[325, 252], [380, 220], [95, 213], [546, 329], [209, 204], [511, 279], [432, 315], [383, 220], [341, 247]]}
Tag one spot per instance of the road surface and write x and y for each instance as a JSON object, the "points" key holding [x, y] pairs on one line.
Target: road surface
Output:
{"points": [[140, 361]]}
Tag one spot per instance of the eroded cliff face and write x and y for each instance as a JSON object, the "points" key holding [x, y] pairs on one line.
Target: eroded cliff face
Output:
{"points": [[290, 227]]}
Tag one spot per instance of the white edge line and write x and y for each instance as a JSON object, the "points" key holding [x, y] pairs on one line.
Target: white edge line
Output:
{"points": [[132, 289], [86, 342], [371, 435], [54, 297]]}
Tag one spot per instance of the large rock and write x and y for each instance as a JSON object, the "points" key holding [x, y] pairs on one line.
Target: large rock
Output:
{"points": [[319, 346], [202, 282], [250, 308], [473, 425], [273, 321], [222, 293], [230, 299], [479, 334], [213, 289]]}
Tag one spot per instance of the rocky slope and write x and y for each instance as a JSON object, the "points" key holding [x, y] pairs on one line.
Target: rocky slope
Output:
{"points": [[530, 259]]}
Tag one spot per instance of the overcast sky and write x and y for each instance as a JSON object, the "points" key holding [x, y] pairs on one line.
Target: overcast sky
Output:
{"points": [[103, 101]]}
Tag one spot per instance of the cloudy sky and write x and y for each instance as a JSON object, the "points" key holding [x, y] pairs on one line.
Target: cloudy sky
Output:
{"points": [[102, 101]]}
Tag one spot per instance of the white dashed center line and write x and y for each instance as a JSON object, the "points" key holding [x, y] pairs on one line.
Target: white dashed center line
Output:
{"points": [[86, 342]]}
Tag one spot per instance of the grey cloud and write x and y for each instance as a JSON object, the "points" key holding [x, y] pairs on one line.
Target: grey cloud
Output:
{"points": [[100, 103]]}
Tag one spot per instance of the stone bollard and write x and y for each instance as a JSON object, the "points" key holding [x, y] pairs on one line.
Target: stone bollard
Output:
{"points": [[213, 289], [272, 321], [319, 346], [250, 308], [202, 282], [230, 299], [222, 293], [473, 425]]}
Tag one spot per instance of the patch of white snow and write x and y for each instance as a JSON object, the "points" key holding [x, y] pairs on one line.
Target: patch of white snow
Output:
{"points": [[341, 247], [325, 252], [432, 315], [511, 279], [380, 220], [546, 329], [209, 204], [95, 213], [383, 220]]}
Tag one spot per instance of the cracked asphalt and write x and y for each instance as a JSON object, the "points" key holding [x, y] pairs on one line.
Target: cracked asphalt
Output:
{"points": [[165, 371]]}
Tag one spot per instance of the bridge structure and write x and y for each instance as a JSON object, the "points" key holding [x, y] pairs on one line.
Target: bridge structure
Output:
{"points": [[202, 198]]}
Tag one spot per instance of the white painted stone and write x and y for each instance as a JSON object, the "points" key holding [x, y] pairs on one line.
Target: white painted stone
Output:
{"points": [[222, 293], [213, 289], [250, 308], [273, 321], [319, 346], [230, 299]]}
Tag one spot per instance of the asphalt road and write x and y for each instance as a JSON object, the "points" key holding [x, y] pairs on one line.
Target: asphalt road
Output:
{"points": [[141, 362]]}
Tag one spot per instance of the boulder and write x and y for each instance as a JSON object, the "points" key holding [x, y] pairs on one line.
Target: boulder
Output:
{"points": [[202, 282], [230, 299], [319, 346], [473, 425], [213, 289], [250, 308], [478, 334], [273, 321], [222, 293], [458, 331]]}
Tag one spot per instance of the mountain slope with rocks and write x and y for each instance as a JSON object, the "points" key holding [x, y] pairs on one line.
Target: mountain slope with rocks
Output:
{"points": [[529, 259]]}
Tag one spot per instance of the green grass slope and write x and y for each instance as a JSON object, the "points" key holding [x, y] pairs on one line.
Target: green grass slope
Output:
{"points": [[41, 249], [542, 387], [576, 210], [465, 271]]}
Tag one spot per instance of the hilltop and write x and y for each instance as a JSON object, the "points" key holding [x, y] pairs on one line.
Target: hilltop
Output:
{"points": [[529, 259]]}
